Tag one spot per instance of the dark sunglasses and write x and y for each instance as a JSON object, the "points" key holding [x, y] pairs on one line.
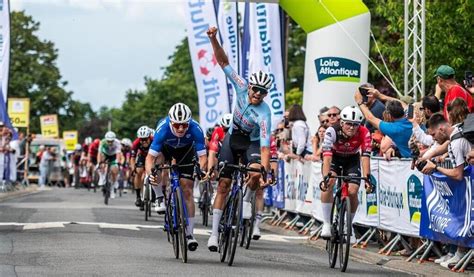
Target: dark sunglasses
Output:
{"points": [[260, 90], [352, 124], [325, 121], [279, 130], [144, 140], [422, 109], [177, 125], [332, 114]]}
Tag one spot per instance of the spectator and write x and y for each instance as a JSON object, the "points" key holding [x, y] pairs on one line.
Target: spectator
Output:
{"points": [[300, 134], [317, 142], [44, 166], [399, 131], [446, 82], [333, 116], [375, 106], [430, 105]]}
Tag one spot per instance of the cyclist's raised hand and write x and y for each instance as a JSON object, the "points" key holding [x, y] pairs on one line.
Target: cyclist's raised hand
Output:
{"points": [[211, 32]]}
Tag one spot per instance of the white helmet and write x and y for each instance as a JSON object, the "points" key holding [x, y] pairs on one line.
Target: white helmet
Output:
{"points": [[152, 131], [226, 120], [126, 142], [110, 136], [88, 140], [143, 132], [351, 114], [78, 147], [261, 79], [180, 113]]}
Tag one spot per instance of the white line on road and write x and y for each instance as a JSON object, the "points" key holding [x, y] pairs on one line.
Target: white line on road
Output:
{"points": [[103, 225]]}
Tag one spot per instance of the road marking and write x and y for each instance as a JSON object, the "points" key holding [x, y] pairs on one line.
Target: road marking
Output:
{"points": [[103, 225], [267, 237]]}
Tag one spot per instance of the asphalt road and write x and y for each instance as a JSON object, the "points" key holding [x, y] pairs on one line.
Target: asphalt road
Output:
{"points": [[68, 232]]}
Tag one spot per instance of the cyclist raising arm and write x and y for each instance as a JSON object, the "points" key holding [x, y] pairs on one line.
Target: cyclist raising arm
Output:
{"points": [[178, 137], [341, 148], [249, 134]]}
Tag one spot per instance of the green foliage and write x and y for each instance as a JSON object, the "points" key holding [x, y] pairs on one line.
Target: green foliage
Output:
{"points": [[34, 74], [296, 56], [448, 38], [293, 96]]}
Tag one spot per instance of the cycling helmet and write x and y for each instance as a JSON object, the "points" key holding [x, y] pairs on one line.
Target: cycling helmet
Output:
{"points": [[110, 136], [209, 132], [88, 140], [261, 79], [180, 113], [143, 132], [78, 147], [126, 142], [226, 120], [152, 131], [351, 114]]}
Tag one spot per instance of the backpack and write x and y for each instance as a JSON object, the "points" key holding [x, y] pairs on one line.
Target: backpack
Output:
{"points": [[467, 129]]}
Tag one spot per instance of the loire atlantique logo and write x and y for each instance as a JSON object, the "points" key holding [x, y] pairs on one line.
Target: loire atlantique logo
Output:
{"points": [[337, 69]]}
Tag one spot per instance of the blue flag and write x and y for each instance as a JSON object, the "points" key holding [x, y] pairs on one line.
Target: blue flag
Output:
{"points": [[4, 115]]}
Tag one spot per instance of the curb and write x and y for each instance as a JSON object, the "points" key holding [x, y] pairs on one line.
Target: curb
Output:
{"points": [[370, 256], [32, 189]]}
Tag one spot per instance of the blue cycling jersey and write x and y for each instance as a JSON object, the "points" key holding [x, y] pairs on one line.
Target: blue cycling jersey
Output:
{"points": [[164, 135], [252, 119]]}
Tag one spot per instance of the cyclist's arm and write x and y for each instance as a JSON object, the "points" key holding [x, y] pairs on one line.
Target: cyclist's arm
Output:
{"points": [[328, 142], [203, 162], [149, 163], [265, 138], [265, 154], [374, 121], [365, 162], [219, 52], [211, 159]]}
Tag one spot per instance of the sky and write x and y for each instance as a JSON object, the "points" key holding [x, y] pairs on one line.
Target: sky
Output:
{"points": [[108, 46]]}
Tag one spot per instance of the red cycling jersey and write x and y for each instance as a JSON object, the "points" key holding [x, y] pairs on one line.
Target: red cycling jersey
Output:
{"points": [[273, 148], [94, 149], [336, 144], [217, 138], [139, 149]]}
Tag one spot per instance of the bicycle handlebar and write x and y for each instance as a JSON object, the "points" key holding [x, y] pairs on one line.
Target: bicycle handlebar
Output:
{"points": [[345, 178], [244, 169]]}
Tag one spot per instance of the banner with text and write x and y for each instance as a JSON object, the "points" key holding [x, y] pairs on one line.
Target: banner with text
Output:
{"points": [[19, 112], [228, 29], [447, 214], [49, 126], [210, 78], [262, 50], [368, 212], [4, 45]]}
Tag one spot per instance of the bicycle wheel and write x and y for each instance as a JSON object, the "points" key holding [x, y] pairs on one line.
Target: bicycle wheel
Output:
{"points": [[172, 227], [332, 243], [244, 232], [183, 241], [107, 192], [205, 207], [236, 224], [224, 227], [146, 200], [251, 222], [345, 230]]}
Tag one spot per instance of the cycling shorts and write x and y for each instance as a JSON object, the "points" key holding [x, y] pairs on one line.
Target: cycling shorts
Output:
{"points": [[350, 166], [140, 162], [227, 154], [182, 155], [111, 159]]}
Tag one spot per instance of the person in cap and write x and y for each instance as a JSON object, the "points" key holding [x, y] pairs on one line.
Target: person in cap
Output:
{"points": [[445, 81]]}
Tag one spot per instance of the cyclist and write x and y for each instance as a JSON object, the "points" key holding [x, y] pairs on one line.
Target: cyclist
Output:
{"points": [[346, 145], [92, 162], [178, 137], [85, 150], [125, 169], [250, 134], [110, 151], [140, 148]]}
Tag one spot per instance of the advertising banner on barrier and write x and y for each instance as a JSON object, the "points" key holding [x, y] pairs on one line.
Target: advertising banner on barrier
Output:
{"points": [[447, 214], [367, 212], [4, 45], [49, 126], [262, 39], [290, 188], [279, 188], [228, 30], [399, 197], [314, 182], [210, 79], [19, 112], [304, 199]]}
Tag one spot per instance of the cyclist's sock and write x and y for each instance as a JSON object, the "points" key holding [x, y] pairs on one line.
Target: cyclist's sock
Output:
{"points": [[258, 218], [158, 191], [248, 195], [137, 191], [216, 217], [326, 208], [190, 226], [116, 185]]}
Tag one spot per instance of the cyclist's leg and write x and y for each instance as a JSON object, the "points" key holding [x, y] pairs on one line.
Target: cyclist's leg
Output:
{"points": [[327, 198], [259, 205], [352, 168], [158, 189], [138, 185], [252, 158]]}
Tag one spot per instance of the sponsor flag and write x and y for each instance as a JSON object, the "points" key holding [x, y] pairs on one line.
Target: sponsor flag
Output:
{"points": [[447, 209], [262, 36], [4, 46], [228, 31], [211, 83]]}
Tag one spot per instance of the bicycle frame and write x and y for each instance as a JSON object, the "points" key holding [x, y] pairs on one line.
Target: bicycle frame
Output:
{"points": [[238, 180], [174, 183]]}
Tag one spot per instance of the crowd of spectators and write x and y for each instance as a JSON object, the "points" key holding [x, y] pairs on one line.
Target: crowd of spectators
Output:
{"points": [[432, 136]]}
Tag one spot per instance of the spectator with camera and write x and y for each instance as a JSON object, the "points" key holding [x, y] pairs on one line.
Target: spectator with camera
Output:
{"points": [[375, 106], [447, 84], [399, 130]]}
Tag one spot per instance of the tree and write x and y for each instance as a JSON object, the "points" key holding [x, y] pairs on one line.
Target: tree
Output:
{"points": [[34, 74]]}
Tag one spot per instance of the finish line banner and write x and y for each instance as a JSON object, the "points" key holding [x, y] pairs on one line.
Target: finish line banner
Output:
{"points": [[447, 214], [211, 83]]}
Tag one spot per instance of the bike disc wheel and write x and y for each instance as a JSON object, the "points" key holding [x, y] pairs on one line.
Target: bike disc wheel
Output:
{"points": [[183, 241], [236, 225], [345, 230], [332, 243]]}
